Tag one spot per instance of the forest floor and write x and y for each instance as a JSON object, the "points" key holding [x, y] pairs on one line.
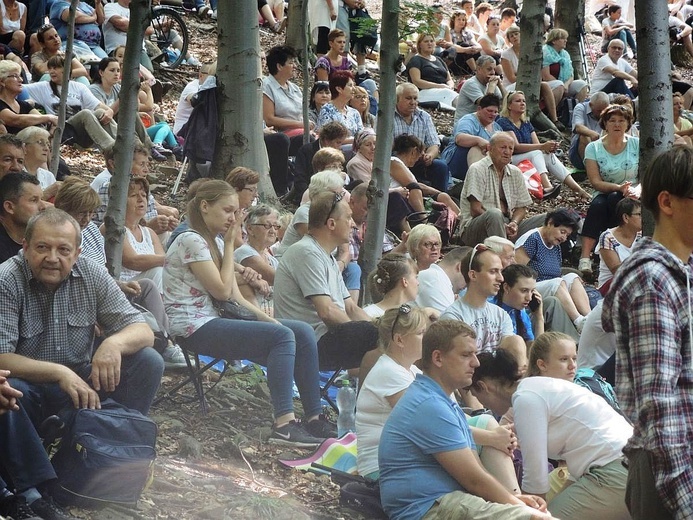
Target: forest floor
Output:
{"points": [[218, 466]]}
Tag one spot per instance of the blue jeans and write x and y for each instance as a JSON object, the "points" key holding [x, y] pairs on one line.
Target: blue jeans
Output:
{"points": [[22, 455], [289, 351], [456, 157], [352, 276], [435, 174]]}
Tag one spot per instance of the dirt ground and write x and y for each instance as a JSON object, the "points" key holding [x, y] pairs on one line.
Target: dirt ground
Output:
{"points": [[217, 466]]}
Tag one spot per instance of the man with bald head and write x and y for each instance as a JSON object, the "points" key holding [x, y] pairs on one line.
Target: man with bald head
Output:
{"points": [[586, 126], [494, 197]]}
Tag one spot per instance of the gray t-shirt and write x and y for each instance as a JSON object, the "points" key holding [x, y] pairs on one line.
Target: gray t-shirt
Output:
{"points": [[306, 270], [288, 102], [490, 322], [470, 92]]}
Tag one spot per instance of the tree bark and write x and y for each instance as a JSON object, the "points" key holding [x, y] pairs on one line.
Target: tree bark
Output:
{"points": [[380, 182], [114, 220], [67, 72], [656, 110], [296, 27], [570, 15], [240, 139], [529, 68]]}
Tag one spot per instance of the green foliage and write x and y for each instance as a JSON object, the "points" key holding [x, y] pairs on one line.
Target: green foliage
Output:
{"points": [[416, 18]]}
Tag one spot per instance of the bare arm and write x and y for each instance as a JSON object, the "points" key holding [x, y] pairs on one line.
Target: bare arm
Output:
{"points": [[328, 311], [35, 371], [258, 264], [508, 70], [521, 256], [355, 312], [476, 208], [272, 120], [611, 259]]}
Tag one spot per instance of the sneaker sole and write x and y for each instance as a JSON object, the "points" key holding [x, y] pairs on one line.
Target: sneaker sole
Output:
{"points": [[290, 443]]}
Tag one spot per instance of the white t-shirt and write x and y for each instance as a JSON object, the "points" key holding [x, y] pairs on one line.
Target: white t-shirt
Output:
{"points": [[490, 322], [101, 179], [291, 236], [373, 310], [188, 304], [557, 419], [79, 97], [600, 78], [386, 378], [45, 178], [184, 108], [509, 54], [435, 289], [113, 37], [596, 345]]}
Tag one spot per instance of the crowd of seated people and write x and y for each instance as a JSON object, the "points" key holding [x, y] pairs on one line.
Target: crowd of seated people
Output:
{"points": [[299, 276]]}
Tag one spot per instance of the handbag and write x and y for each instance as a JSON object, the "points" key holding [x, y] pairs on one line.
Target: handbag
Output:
{"points": [[532, 178], [232, 310]]}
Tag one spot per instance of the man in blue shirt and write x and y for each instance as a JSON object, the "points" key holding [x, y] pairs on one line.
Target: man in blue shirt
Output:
{"points": [[428, 464]]}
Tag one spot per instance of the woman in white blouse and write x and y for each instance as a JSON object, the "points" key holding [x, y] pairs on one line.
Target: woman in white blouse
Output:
{"points": [[557, 419]]}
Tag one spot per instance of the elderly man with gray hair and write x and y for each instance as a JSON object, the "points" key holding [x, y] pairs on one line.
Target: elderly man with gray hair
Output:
{"points": [[586, 127], [494, 197], [484, 82]]}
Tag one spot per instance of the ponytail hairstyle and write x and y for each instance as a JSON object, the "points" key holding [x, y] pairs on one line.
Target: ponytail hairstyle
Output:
{"points": [[210, 192], [390, 270], [541, 349], [500, 366], [399, 321]]}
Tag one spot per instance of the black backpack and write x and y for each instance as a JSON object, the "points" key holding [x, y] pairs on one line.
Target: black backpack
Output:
{"points": [[564, 111], [105, 456]]}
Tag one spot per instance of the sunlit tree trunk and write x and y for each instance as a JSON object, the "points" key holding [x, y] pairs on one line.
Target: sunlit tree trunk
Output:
{"points": [[240, 139], [655, 111], [58, 133], [380, 181], [529, 69], [114, 219], [570, 15]]}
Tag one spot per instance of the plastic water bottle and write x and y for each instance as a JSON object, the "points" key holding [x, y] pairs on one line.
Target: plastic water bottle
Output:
{"points": [[346, 402]]}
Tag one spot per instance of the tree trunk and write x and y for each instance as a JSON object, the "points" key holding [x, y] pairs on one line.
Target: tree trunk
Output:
{"points": [[570, 15], [240, 139], [655, 111], [114, 220], [380, 182], [58, 134], [296, 27], [532, 29]]}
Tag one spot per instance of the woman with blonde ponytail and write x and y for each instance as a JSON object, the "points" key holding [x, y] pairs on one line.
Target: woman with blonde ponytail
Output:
{"points": [[199, 267]]}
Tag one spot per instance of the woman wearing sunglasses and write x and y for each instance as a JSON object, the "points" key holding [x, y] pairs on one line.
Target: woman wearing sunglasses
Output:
{"points": [[400, 333]]}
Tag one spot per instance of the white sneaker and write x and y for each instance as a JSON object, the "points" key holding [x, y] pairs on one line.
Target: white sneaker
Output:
{"points": [[192, 60], [174, 357], [580, 323], [214, 14], [585, 266]]}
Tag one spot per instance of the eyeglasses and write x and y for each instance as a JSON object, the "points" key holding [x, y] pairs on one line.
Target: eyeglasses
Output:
{"points": [[14, 76], [251, 190], [479, 248], [403, 309], [636, 214], [431, 245], [360, 97], [337, 199], [268, 226]]}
